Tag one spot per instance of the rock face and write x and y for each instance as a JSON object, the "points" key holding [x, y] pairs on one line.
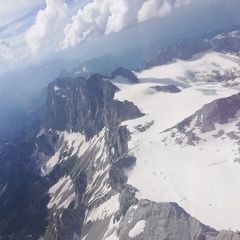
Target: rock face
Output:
{"points": [[81, 106], [166, 221], [229, 42], [167, 88], [123, 72], [69, 183], [209, 119], [171, 222], [86, 106], [219, 111], [183, 51], [23, 199]]}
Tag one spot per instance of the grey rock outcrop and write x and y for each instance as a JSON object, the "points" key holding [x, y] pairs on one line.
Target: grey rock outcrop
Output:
{"points": [[183, 50], [167, 221], [163, 221], [86, 106], [123, 72], [219, 111], [167, 88], [228, 42]]}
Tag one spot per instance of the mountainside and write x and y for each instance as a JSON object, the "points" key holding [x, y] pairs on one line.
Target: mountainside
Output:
{"points": [[186, 163], [226, 42], [138, 155]]}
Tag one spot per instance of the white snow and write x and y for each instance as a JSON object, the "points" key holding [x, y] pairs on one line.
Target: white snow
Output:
{"points": [[111, 233], [79, 144], [202, 65], [234, 34], [137, 229], [62, 193], [204, 179], [104, 210], [56, 88], [50, 164], [112, 236]]}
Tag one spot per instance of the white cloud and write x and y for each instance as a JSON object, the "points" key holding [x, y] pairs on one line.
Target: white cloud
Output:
{"points": [[11, 11], [5, 51], [94, 18], [122, 14], [100, 17], [107, 16], [47, 27], [159, 8]]}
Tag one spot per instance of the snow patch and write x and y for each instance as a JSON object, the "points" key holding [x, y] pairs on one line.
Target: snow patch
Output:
{"points": [[62, 193], [104, 210], [50, 164], [208, 66], [56, 88], [137, 229]]}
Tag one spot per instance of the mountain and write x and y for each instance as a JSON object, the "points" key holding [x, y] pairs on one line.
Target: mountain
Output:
{"points": [[174, 142], [23, 89], [150, 155], [106, 64], [225, 42]]}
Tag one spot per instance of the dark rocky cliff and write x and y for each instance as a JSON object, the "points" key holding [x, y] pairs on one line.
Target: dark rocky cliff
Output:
{"points": [[73, 105], [221, 111], [86, 106]]}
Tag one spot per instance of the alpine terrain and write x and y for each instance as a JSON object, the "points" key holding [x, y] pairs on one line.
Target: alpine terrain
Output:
{"points": [[147, 154]]}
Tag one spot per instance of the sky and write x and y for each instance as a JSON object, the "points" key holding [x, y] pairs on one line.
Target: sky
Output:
{"points": [[31, 29]]}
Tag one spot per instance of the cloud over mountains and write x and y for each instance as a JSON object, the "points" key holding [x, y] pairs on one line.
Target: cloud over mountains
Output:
{"points": [[5, 50], [55, 28], [47, 23], [107, 16], [46, 26]]}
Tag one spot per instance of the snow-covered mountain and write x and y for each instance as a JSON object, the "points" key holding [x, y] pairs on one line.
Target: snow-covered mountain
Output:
{"points": [[146, 155], [175, 142]]}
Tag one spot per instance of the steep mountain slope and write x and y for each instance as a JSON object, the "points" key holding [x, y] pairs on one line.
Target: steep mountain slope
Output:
{"points": [[138, 155]]}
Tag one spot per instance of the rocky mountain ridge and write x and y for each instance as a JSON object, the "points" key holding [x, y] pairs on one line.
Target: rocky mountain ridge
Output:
{"points": [[226, 42], [207, 120]]}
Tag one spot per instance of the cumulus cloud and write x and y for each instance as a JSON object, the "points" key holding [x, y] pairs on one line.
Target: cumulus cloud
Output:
{"points": [[107, 16], [158, 8], [5, 51], [100, 17], [47, 26]]}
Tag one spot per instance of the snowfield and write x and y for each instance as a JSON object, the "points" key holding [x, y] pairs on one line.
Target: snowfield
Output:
{"points": [[203, 179], [137, 229], [201, 67]]}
